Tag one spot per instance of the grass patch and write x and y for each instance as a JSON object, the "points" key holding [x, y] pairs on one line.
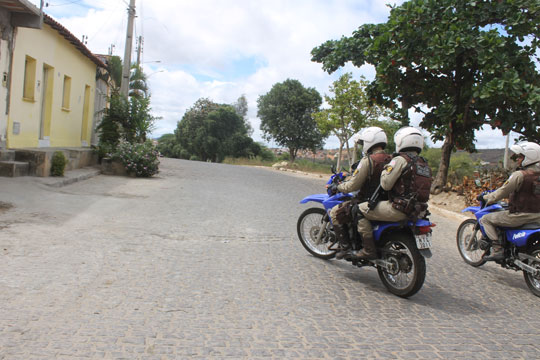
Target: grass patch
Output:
{"points": [[300, 164], [310, 166], [256, 161]]}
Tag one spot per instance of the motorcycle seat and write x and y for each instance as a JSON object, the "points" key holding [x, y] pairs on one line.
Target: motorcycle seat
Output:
{"points": [[528, 227]]}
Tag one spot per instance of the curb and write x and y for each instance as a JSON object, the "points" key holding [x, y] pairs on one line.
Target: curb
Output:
{"points": [[72, 177], [448, 213]]}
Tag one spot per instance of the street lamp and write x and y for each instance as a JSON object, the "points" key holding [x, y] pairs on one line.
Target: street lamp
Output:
{"points": [[155, 72]]}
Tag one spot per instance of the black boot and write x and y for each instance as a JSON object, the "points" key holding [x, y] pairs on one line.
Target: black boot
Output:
{"points": [[497, 253], [369, 251], [342, 235]]}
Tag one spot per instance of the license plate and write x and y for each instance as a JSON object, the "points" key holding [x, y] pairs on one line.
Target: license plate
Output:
{"points": [[423, 241]]}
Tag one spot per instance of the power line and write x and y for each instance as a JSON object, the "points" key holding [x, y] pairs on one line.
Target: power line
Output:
{"points": [[106, 22], [68, 3]]}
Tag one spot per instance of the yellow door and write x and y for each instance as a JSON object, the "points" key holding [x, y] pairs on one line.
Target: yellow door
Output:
{"points": [[85, 117]]}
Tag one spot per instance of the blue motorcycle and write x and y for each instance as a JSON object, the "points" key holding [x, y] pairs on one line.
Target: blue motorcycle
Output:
{"points": [[401, 246], [521, 245]]}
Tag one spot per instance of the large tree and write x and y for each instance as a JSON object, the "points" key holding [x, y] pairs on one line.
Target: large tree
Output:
{"points": [[210, 131], [461, 63], [349, 111], [286, 116], [241, 108]]}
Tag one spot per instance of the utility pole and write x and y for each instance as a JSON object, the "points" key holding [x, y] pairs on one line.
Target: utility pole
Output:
{"points": [[139, 49], [41, 14], [124, 87], [505, 161]]}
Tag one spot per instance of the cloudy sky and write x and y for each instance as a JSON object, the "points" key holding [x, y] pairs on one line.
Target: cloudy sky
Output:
{"points": [[221, 49]]}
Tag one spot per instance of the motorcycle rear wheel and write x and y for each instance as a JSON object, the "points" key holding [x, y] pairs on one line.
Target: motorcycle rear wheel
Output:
{"points": [[470, 252], [533, 282], [308, 227], [410, 271]]}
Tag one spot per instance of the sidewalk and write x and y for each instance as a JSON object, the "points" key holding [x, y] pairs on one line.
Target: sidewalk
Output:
{"points": [[70, 177]]}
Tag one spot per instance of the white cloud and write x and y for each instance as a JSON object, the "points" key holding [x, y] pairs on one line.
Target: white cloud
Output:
{"points": [[223, 49]]}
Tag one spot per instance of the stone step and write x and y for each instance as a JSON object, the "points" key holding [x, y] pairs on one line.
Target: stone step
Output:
{"points": [[12, 168], [7, 155]]}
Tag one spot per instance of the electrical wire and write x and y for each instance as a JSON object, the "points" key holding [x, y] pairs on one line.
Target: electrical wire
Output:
{"points": [[68, 3], [106, 22]]}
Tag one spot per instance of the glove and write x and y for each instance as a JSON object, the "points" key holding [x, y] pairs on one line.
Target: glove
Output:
{"points": [[481, 198], [332, 189]]}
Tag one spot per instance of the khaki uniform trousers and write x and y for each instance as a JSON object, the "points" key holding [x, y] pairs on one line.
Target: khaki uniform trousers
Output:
{"points": [[491, 221], [382, 212]]}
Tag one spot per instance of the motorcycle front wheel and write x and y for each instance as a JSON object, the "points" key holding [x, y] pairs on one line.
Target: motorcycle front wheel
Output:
{"points": [[533, 282], [467, 238], [407, 271], [310, 223]]}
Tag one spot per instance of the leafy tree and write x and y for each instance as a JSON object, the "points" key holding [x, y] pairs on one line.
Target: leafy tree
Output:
{"points": [[190, 131], [390, 127], [140, 121], [241, 107], [349, 111], [286, 116], [462, 63], [210, 131], [461, 164], [114, 67], [137, 83], [128, 120], [166, 146], [114, 121]]}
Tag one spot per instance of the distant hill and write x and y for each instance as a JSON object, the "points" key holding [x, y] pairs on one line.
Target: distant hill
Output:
{"points": [[491, 156]]}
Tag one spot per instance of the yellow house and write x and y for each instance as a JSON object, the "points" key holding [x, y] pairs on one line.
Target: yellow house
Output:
{"points": [[53, 86]]}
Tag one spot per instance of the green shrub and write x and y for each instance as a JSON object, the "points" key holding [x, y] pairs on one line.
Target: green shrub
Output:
{"points": [[103, 150], [142, 160], [194, 158], [251, 161], [461, 164], [284, 157], [267, 154], [58, 164]]}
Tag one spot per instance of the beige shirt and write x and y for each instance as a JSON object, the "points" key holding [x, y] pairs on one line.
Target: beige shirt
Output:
{"points": [[392, 171], [359, 176], [511, 185]]}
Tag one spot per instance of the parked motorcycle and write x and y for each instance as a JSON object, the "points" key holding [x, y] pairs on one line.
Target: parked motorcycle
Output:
{"points": [[401, 247], [521, 245]]}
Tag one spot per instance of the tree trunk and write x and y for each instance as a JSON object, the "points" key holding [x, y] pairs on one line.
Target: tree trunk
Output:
{"points": [[355, 150], [338, 166], [442, 175], [292, 154], [349, 156]]}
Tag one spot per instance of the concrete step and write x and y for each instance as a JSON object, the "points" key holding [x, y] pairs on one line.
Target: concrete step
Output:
{"points": [[7, 155], [12, 168]]}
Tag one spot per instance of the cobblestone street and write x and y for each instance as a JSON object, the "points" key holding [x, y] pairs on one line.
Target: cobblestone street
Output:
{"points": [[203, 262]]}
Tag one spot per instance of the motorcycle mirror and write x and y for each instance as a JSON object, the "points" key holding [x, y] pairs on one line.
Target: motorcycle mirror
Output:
{"points": [[333, 169]]}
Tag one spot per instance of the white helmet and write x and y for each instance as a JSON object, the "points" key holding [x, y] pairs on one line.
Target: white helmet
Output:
{"points": [[371, 136], [530, 150], [409, 137]]}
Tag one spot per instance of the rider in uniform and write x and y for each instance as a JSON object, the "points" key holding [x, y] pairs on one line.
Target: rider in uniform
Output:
{"points": [[523, 189], [407, 179], [365, 179]]}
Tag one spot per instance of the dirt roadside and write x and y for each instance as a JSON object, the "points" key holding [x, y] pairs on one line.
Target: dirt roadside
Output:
{"points": [[446, 203]]}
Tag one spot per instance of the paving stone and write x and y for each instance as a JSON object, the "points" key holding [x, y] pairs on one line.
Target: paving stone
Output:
{"points": [[189, 265]]}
